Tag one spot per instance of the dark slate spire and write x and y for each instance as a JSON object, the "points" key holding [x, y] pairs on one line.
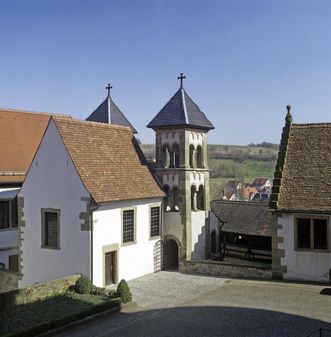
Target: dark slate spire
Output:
{"points": [[181, 111], [109, 113]]}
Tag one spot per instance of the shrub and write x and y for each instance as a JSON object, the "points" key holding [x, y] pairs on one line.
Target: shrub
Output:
{"points": [[100, 291], [123, 291], [83, 285]]}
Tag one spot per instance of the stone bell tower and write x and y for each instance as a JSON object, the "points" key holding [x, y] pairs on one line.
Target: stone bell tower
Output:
{"points": [[181, 166]]}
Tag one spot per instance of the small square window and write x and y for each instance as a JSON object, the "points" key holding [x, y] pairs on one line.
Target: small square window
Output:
{"points": [[312, 233]]}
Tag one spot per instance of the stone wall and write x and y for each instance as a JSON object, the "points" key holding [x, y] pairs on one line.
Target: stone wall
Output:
{"points": [[38, 291], [226, 269], [8, 280]]}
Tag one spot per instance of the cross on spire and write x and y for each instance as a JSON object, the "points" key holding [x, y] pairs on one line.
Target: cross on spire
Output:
{"points": [[181, 78], [108, 87]]}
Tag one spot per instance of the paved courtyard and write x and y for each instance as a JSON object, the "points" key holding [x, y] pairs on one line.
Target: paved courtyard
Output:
{"points": [[172, 304]]}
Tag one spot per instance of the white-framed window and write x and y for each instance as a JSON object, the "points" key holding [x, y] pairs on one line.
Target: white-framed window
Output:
{"points": [[50, 228]]}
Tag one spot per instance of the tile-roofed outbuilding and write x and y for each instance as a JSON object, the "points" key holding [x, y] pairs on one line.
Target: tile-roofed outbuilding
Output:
{"points": [[109, 160], [259, 181], [181, 111], [108, 112], [303, 177], [243, 217], [20, 136]]}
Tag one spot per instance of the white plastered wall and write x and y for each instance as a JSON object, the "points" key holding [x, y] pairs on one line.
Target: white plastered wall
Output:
{"points": [[198, 219], [173, 225], [301, 265], [134, 260], [53, 182], [196, 138]]}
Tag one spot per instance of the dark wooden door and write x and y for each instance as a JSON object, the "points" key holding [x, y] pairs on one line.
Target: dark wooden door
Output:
{"points": [[13, 263], [109, 268]]}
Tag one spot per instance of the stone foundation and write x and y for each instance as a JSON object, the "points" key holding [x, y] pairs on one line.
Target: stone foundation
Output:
{"points": [[226, 269], [8, 280]]}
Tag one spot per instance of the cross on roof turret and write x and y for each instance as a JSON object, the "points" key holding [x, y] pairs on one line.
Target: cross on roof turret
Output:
{"points": [[181, 78], [108, 87]]}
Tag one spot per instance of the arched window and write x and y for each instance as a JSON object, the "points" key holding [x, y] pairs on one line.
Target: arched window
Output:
{"points": [[193, 198], [167, 198], [201, 198], [199, 157], [192, 150], [175, 154], [165, 156], [175, 206]]}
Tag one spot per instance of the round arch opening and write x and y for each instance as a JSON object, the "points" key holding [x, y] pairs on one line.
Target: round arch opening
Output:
{"points": [[170, 255]]}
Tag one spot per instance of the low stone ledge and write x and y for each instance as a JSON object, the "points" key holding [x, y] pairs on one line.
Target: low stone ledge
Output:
{"points": [[226, 269], [38, 291], [8, 280]]}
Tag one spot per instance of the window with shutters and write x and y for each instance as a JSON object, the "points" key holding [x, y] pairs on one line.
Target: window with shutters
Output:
{"points": [[50, 220]]}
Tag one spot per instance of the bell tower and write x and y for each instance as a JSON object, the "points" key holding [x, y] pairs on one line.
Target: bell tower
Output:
{"points": [[181, 166]]}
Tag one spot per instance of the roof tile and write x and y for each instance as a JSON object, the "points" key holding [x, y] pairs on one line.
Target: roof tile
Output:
{"points": [[108, 160], [306, 176], [181, 111], [20, 136]]}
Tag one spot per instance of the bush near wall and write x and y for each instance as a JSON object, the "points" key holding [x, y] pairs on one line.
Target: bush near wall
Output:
{"points": [[33, 310]]}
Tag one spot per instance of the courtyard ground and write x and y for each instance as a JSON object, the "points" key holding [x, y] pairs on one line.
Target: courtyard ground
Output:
{"points": [[173, 304]]}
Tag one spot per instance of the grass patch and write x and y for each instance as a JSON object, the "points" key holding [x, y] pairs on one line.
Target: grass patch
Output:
{"points": [[244, 163], [34, 318], [254, 168]]}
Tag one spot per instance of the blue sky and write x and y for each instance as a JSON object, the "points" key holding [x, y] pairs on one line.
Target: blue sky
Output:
{"points": [[244, 60]]}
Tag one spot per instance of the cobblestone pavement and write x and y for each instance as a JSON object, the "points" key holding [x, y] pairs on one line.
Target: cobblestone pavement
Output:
{"points": [[172, 304]]}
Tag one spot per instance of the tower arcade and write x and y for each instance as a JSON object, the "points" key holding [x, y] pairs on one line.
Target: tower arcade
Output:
{"points": [[181, 166]]}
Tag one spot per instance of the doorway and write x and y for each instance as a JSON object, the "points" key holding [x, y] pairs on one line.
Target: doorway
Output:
{"points": [[110, 258], [170, 255]]}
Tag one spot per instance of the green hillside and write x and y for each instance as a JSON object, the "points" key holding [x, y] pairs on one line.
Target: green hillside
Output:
{"points": [[234, 162]]}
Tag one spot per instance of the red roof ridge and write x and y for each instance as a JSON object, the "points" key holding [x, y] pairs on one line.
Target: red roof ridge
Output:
{"points": [[90, 123], [323, 124], [33, 112]]}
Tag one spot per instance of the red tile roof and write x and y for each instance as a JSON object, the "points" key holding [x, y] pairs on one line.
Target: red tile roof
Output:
{"points": [[20, 136], [108, 160], [306, 175]]}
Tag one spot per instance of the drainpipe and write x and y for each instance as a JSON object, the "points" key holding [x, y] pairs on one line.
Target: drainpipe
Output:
{"points": [[92, 209]]}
